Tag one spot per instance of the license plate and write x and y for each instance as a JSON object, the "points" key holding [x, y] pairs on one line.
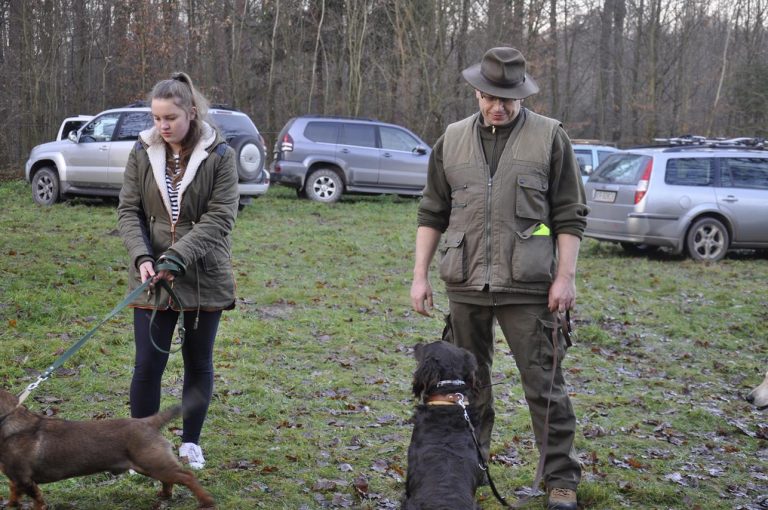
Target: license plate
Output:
{"points": [[604, 196]]}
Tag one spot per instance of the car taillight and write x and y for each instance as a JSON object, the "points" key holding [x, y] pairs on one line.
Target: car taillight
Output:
{"points": [[642, 184], [286, 144]]}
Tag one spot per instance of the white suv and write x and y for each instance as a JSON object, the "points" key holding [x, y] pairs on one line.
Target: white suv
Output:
{"points": [[91, 161]]}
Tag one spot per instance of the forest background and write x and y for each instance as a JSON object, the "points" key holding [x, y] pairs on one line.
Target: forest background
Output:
{"points": [[620, 71]]}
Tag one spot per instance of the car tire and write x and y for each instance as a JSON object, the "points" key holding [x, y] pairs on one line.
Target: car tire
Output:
{"points": [[249, 156], [45, 186], [324, 185], [707, 240]]}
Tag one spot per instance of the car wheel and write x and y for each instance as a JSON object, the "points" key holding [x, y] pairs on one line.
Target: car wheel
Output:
{"points": [[45, 186], [250, 157], [324, 185], [707, 240]]}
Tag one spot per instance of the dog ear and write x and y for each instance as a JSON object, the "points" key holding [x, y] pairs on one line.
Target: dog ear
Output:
{"points": [[418, 351], [427, 374]]}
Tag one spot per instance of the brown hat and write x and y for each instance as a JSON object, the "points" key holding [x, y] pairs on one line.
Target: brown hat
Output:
{"points": [[501, 73]]}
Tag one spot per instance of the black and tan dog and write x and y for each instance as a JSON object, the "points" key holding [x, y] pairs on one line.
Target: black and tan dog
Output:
{"points": [[443, 461], [36, 449]]}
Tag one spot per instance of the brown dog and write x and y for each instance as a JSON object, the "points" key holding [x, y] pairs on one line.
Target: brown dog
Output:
{"points": [[36, 449]]}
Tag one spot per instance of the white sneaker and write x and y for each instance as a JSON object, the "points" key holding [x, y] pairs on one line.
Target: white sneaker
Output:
{"points": [[192, 455]]}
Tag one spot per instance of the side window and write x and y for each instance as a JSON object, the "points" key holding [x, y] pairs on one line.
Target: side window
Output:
{"points": [[100, 129], [585, 160], [361, 135], [324, 132], [689, 172], [744, 172], [397, 139], [132, 124]]}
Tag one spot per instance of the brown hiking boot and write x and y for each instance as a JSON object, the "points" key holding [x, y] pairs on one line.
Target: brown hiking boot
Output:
{"points": [[561, 499]]}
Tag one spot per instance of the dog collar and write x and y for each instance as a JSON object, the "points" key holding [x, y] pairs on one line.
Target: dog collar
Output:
{"points": [[447, 400], [450, 382]]}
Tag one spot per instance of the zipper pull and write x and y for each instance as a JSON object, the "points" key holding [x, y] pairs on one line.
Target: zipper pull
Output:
{"points": [[493, 130]]}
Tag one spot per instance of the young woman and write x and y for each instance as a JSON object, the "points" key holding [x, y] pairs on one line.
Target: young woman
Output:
{"points": [[177, 207]]}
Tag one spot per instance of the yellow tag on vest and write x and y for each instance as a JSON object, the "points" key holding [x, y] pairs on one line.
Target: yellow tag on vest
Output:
{"points": [[542, 230]]}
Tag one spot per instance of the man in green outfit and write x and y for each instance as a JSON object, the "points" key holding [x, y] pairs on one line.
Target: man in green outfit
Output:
{"points": [[504, 204]]}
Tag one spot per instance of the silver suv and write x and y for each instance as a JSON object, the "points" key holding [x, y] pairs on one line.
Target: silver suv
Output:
{"points": [[324, 157], [91, 161], [699, 200]]}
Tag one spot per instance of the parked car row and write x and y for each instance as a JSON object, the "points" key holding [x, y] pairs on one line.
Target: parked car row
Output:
{"points": [[91, 160], [702, 200], [694, 195]]}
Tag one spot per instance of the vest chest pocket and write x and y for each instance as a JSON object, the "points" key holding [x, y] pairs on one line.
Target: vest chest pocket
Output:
{"points": [[531, 197], [453, 263], [533, 259]]}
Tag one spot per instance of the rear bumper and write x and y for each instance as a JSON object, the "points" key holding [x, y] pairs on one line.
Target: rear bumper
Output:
{"points": [[288, 173], [637, 229], [252, 189]]}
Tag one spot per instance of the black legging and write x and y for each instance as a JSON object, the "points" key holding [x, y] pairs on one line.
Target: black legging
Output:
{"points": [[150, 363]]}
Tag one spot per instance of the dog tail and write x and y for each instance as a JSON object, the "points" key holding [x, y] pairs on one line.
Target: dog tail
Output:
{"points": [[165, 416]]}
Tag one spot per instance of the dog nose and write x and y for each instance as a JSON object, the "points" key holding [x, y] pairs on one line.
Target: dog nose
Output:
{"points": [[750, 398]]}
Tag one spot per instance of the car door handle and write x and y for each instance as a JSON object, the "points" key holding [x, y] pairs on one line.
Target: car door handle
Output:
{"points": [[104, 148], [730, 198], [344, 151], [387, 155]]}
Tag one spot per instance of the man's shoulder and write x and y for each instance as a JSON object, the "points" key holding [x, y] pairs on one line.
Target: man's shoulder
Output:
{"points": [[537, 117]]}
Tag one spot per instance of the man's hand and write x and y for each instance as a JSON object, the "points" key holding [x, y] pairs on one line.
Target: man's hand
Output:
{"points": [[562, 294], [421, 296]]}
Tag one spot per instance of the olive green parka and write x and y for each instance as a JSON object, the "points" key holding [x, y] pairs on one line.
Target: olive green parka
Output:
{"points": [[200, 238]]}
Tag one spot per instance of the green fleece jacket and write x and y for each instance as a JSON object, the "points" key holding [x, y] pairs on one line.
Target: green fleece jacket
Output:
{"points": [[201, 236]]}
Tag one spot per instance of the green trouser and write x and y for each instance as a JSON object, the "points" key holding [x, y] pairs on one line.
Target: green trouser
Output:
{"points": [[528, 331]]}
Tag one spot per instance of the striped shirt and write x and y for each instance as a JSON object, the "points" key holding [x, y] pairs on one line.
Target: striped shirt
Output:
{"points": [[173, 191]]}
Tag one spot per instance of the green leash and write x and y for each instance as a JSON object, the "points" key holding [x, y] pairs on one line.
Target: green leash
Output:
{"points": [[125, 302]]}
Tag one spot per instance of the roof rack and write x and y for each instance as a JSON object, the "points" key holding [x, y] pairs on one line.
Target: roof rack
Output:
{"points": [[694, 141]]}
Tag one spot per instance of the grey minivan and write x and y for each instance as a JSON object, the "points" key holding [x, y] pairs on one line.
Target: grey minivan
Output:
{"points": [[701, 201], [324, 157]]}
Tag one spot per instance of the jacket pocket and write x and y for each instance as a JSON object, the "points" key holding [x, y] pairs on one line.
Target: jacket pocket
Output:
{"points": [[533, 258], [531, 200], [453, 264], [216, 260]]}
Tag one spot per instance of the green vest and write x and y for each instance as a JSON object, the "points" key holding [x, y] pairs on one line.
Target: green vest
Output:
{"points": [[499, 230]]}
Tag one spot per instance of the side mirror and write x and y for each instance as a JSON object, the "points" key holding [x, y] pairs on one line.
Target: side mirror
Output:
{"points": [[419, 150], [72, 136]]}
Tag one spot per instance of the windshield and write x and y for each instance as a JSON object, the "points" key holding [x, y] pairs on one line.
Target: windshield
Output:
{"points": [[621, 169], [231, 125]]}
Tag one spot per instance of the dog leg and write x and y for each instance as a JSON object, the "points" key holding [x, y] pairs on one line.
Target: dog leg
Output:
{"points": [[33, 491], [13, 498], [167, 491], [184, 477]]}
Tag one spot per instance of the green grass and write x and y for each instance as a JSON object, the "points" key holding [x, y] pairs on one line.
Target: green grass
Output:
{"points": [[312, 399]]}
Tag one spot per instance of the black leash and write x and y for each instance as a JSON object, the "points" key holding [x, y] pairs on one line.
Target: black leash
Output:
{"points": [[125, 302]]}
